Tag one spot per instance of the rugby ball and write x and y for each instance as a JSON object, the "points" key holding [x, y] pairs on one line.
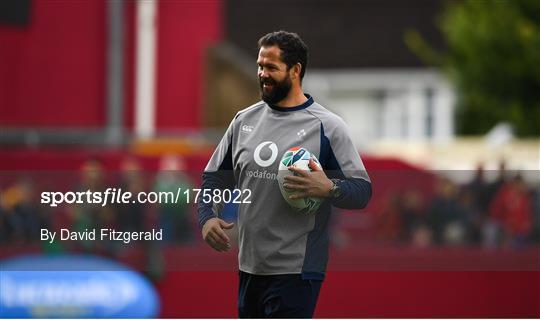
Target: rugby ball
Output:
{"points": [[298, 157]]}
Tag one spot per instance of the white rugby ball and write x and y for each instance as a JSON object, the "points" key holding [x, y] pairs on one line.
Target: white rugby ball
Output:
{"points": [[298, 157]]}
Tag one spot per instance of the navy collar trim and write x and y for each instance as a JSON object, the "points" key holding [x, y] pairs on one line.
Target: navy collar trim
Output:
{"points": [[295, 108]]}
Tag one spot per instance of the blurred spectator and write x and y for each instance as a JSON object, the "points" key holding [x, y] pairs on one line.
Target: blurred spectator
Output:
{"points": [[3, 226], [20, 217], [413, 215], [12, 223], [472, 216], [422, 237], [389, 222], [131, 216], [536, 214], [444, 215], [494, 187], [480, 190], [511, 209], [92, 215], [174, 218]]}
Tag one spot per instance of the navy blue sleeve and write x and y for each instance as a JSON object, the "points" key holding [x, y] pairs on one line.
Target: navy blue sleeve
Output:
{"points": [[212, 180], [355, 194], [354, 183], [217, 175]]}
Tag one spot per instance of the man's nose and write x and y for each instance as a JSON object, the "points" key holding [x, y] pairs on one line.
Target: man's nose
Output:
{"points": [[263, 74]]}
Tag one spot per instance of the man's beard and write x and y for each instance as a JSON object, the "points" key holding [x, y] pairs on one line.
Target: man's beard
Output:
{"points": [[279, 90]]}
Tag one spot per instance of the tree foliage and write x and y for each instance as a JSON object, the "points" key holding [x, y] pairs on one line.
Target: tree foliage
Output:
{"points": [[493, 58]]}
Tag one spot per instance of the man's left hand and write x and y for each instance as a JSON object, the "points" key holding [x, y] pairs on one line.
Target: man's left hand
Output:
{"points": [[308, 184]]}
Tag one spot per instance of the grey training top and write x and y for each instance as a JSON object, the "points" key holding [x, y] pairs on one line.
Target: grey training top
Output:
{"points": [[273, 237]]}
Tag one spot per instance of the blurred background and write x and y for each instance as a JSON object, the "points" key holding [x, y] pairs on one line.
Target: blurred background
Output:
{"points": [[442, 99]]}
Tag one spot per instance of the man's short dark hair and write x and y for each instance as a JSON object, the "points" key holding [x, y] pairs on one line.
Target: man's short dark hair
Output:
{"points": [[293, 49]]}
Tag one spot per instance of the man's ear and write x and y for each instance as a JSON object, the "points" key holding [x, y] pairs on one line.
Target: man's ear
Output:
{"points": [[296, 69]]}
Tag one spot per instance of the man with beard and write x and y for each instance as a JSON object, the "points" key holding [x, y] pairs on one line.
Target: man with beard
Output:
{"points": [[282, 253]]}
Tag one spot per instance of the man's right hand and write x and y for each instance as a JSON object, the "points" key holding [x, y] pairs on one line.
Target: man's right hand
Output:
{"points": [[213, 234]]}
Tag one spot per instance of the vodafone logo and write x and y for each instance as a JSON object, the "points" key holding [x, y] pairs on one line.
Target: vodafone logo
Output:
{"points": [[270, 153]]}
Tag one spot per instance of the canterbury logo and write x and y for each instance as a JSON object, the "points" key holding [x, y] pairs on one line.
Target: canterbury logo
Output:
{"points": [[246, 128], [257, 154]]}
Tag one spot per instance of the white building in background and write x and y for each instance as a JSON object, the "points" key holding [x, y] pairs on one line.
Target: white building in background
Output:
{"points": [[406, 105]]}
